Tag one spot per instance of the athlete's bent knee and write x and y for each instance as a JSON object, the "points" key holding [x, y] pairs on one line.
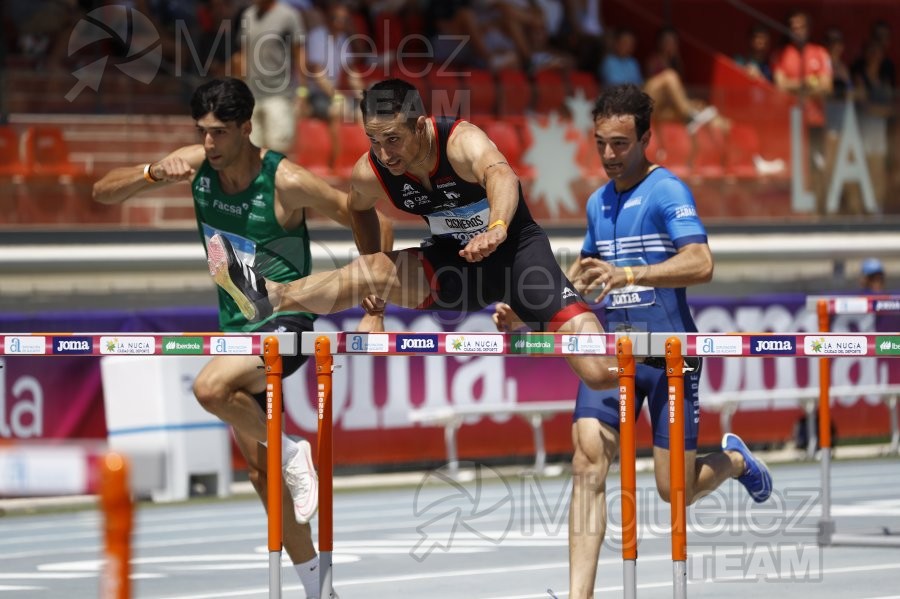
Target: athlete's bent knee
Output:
{"points": [[210, 394], [602, 377]]}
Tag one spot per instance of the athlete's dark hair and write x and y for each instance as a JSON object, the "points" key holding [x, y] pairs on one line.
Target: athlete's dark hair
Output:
{"points": [[624, 100], [228, 99], [391, 97]]}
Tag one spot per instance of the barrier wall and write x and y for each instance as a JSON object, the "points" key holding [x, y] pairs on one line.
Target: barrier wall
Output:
{"points": [[62, 398]]}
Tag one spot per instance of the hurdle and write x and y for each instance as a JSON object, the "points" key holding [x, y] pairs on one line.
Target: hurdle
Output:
{"points": [[673, 346], [825, 307], [72, 469]]}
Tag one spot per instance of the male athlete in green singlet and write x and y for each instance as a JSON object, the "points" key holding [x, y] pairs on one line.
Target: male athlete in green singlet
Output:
{"points": [[257, 199]]}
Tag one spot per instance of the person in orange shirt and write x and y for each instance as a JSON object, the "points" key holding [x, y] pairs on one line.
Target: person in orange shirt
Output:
{"points": [[804, 69]]}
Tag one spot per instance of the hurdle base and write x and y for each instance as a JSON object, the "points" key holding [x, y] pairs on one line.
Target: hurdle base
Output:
{"points": [[870, 540], [825, 534], [275, 575], [629, 578], [326, 577]]}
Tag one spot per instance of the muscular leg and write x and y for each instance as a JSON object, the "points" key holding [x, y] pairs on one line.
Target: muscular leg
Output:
{"points": [[224, 388], [668, 92], [595, 448], [397, 277], [297, 538], [593, 370], [703, 474]]}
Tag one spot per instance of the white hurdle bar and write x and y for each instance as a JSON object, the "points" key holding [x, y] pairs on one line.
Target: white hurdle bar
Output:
{"points": [[750, 345], [65, 470], [887, 344]]}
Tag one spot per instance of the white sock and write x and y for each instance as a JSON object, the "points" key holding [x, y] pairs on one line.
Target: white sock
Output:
{"points": [[309, 577], [288, 449]]}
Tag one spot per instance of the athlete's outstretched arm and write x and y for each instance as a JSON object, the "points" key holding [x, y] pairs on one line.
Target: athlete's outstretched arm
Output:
{"points": [[475, 158], [121, 183], [368, 224]]}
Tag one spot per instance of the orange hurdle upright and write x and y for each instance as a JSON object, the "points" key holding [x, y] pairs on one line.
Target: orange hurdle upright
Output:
{"points": [[324, 368], [274, 370], [675, 372], [118, 509], [627, 457], [826, 524]]}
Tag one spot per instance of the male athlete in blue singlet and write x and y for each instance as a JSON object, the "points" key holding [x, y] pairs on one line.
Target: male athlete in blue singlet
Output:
{"points": [[644, 244], [484, 246]]}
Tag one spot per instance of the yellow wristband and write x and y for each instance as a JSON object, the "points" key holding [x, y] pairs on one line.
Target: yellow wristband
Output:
{"points": [[629, 276], [302, 91], [498, 223], [148, 176]]}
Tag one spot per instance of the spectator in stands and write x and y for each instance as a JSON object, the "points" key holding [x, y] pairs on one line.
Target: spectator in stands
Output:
{"points": [[620, 66], [874, 85], [666, 87], [758, 60], [41, 28], [334, 84], [835, 107], [641, 287], [511, 25], [803, 68], [271, 49], [872, 279], [456, 35], [259, 199], [216, 30], [584, 33], [667, 54]]}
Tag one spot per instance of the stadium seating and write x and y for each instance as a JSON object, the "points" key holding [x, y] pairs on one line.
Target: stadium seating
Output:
{"points": [[549, 91], [482, 92], [446, 93], [312, 147], [11, 165], [509, 142], [514, 92], [353, 143], [47, 153], [674, 147], [584, 82]]}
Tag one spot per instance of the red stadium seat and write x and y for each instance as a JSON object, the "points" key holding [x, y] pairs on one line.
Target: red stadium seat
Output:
{"points": [[353, 143], [482, 92], [743, 145], [11, 164], [446, 96], [584, 81], [47, 153], [312, 146], [674, 147], [550, 92], [514, 92], [710, 153], [509, 142]]}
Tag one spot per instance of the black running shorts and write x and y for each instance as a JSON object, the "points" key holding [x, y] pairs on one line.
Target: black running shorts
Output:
{"points": [[522, 272], [287, 323]]}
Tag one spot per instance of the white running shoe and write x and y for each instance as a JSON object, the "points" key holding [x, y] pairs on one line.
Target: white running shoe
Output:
{"points": [[701, 118], [303, 483]]}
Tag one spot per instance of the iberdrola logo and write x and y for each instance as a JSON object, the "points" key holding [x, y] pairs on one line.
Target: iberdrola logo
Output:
{"points": [[115, 26]]}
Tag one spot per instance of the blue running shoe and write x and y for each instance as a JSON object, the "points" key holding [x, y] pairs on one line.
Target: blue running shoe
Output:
{"points": [[756, 477]]}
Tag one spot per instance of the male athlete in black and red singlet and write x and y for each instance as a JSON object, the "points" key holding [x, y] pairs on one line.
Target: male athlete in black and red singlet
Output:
{"points": [[484, 246]]}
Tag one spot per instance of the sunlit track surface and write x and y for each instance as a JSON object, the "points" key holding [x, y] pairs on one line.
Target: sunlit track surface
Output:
{"points": [[502, 538]]}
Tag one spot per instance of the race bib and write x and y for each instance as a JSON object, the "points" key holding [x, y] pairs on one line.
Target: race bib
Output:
{"points": [[244, 248], [461, 224], [630, 296]]}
